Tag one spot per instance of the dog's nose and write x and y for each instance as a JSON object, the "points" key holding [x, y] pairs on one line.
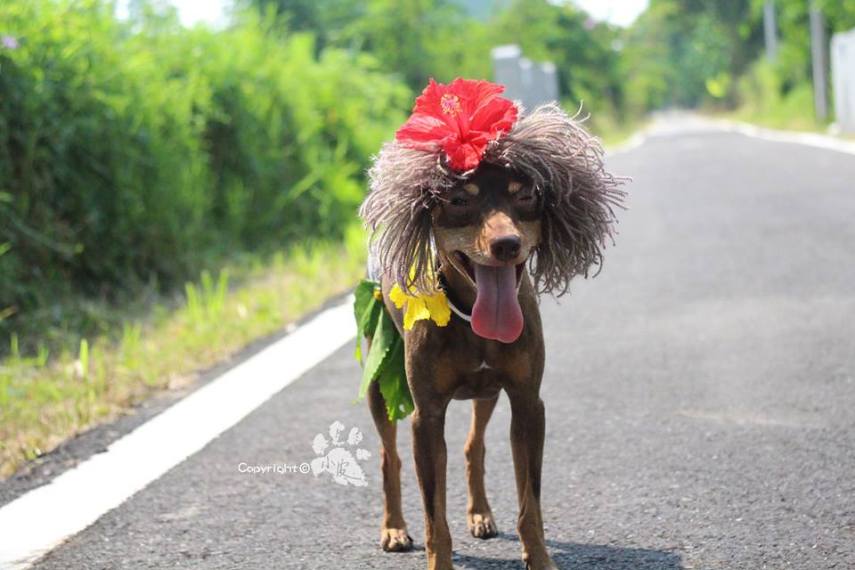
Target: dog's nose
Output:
{"points": [[506, 248]]}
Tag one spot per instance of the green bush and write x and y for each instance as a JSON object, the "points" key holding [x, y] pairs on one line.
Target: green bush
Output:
{"points": [[136, 153], [764, 98]]}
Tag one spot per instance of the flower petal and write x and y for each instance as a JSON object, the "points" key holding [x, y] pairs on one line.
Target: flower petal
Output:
{"points": [[416, 311], [437, 306], [460, 118], [397, 296], [424, 132], [466, 156], [495, 117]]}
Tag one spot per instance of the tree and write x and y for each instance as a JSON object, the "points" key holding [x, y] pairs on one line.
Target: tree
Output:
{"points": [[582, 50], [687, 52]]}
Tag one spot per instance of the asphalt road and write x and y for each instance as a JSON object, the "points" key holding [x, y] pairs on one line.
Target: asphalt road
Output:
{"points": [[700, 398]]}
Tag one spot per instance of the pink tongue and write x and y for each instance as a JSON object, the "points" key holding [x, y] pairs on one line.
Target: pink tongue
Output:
{"points": [[497, 314]]}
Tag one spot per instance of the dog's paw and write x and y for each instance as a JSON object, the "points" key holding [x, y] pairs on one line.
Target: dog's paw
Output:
{"points": [[550, 566], [395, 540], [542, 562], [482, 525]]}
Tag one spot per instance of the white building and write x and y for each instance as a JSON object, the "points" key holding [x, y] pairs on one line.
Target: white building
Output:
{"points": [[843, 78], [526, 81]]}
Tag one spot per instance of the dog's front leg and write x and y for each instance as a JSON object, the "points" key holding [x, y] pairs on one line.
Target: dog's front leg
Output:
{"points": [[527, 434], [430, 455], [431, 389]]}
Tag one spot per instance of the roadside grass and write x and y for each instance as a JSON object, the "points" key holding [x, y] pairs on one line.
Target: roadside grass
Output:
{"points": [[604, 123], [763, 105], [778, 118], [803, 122], [46, 398], [613, 132]]}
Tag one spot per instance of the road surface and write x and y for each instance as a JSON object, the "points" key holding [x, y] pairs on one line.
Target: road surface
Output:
{"points": [[700, 398]]}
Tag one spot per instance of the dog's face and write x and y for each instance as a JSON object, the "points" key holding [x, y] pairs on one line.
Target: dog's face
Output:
{"points": [[486, 228], [493, 219]]}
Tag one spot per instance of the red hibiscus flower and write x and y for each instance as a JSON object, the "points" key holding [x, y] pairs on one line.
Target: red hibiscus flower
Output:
{"points": [[460, 118]]}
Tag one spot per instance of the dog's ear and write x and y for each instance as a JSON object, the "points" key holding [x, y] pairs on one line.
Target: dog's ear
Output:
{"points": [[565, 164], [404, 187]]}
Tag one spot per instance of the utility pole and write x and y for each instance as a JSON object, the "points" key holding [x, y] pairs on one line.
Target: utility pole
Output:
{"points": [[770, 29], [820, 61]]}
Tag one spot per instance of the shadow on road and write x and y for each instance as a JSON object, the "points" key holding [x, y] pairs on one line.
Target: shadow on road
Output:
{"points": [[582, 557]]}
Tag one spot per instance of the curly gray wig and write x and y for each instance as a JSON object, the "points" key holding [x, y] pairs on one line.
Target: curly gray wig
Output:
{"points": [[563, 162]]}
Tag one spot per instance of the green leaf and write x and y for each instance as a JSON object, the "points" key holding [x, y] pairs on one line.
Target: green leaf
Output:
{"points": [[367, 310], [393, 384], [365, 306], [385, 360], [382, 341]]}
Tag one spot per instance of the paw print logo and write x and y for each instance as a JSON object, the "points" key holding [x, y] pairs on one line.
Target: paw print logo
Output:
{"points": [[340, 458]]}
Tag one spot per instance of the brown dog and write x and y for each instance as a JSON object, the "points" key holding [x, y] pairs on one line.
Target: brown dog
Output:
{"points": [[539, 199]]}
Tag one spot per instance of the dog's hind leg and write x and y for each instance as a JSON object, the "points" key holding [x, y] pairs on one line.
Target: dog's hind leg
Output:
{"points": [[393, 533], [479, 517]]}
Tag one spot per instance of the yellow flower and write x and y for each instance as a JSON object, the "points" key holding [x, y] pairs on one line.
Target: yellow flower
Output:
{"points": [[420, 306]]}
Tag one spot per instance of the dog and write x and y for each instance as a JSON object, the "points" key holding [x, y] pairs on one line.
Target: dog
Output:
{"points": [[486, 207]]}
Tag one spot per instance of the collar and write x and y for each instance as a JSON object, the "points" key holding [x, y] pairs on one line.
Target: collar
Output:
{"points": [[458, 312], [454, 309]]}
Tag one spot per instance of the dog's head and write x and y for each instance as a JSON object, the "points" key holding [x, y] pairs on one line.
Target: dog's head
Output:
{"points": [[540, 197], [491, 219], [486, 228]]}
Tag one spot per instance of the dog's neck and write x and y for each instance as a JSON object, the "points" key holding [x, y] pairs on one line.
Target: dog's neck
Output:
{"points": [[457, 287]]}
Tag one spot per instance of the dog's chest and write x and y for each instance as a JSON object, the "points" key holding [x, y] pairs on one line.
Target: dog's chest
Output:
{"points": [[468, 367], [479, 379]]}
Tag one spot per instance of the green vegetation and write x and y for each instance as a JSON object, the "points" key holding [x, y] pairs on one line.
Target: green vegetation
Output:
{"points": [[417, 39], [690, 54], [134, 155], [47, 397], [384, 363]]}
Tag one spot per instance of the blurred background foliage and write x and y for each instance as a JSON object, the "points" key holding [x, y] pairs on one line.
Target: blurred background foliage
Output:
{"points": [[135, 153]]}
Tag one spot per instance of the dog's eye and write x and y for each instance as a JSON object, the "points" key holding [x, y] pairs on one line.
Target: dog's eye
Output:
{"points": [[525, 197], [459, 202]]}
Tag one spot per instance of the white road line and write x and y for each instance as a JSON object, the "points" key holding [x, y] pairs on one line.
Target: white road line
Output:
{"points": [[38, 521], [815, 140], [636, 140], [682, 124]]}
